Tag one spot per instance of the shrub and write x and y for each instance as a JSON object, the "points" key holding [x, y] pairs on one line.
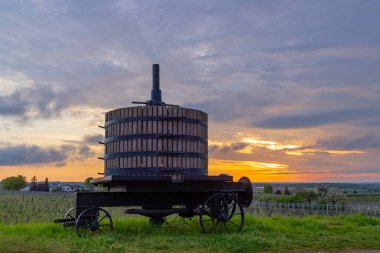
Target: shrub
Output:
{"points": [[268, 188], [14, 183]]}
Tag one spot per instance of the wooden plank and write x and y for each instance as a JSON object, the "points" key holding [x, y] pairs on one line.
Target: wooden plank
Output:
{"points": [[188, 113], [150, 110], [129, 128], [154, 127], [145, 111], [134, 161], [149, 162], [175, 127], [154, 162], [170, 127], [159, 127], [159, 145], [121, 162], [188, 146], [139, 144], [125, 128], [134, 126], [149, 126], [165, 127], [160, 162], [159, 110], [179, 127], [139, 111], [121, 128], [145, 127], [118, 146], [134, 111], [170, 161], [139, 127], [154, 145], [165, 144], [181, 112], [164, 111], [134, 145]]}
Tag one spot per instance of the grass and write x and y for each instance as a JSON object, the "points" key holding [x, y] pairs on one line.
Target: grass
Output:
{"points": [[276, 234]]}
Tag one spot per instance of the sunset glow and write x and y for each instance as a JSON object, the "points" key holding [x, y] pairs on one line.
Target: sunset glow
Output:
{"points": [[292, 89]]}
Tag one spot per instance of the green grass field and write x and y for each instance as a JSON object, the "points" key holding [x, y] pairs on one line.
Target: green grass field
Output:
{"points": [[261, 234]]}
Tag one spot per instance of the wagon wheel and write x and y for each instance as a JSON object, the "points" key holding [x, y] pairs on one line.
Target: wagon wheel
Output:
{"points": [[245, 197], [93, 220], [221, 212], [69, 215]]}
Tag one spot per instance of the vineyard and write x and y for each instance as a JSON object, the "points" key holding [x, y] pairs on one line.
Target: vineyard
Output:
{"points": [[28, 207], [26, 226]]}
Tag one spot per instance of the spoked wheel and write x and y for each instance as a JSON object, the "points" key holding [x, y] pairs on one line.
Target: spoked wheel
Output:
{"points": [[69, 216], [221, 212], [92, 221]]}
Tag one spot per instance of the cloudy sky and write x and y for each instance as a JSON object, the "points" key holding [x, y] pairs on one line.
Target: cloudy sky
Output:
{"points": [[292, 88]]}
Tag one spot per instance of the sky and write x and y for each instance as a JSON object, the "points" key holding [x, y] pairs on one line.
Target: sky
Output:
{"points": [[292, 88]]}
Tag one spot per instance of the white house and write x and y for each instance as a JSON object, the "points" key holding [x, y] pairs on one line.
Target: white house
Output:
{"points": [[68, 188]]}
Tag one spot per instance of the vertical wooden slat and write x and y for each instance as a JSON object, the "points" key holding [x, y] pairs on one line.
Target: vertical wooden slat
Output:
{"points": [[165, 127], [134, 161], [165, 144], [170, 162], [134, 126], [159, 145], [159, 127], [154, 161]]}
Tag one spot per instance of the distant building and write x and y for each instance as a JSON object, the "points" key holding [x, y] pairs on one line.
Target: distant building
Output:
{"points": [[71, 188], [40, 187]]}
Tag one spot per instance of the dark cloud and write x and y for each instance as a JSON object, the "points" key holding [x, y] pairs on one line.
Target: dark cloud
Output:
{"points": [[12, 155], [85, 152], [234, 147], [93, 138], [33, 102], [317, 119], [227, 148], [351, 142]]}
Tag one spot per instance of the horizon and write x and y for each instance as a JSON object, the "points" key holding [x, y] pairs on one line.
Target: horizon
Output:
{"points": [[291, 89]]}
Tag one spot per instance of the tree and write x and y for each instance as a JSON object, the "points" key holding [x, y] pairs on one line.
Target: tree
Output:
{"points": [[268, 188], [33, 184], [278, 192], [322, 190], [14, 183], [87, 183], [307, 196], [286, 191]]}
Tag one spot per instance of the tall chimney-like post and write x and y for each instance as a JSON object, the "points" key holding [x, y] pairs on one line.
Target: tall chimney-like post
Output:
{"points": [[156, 98]]}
